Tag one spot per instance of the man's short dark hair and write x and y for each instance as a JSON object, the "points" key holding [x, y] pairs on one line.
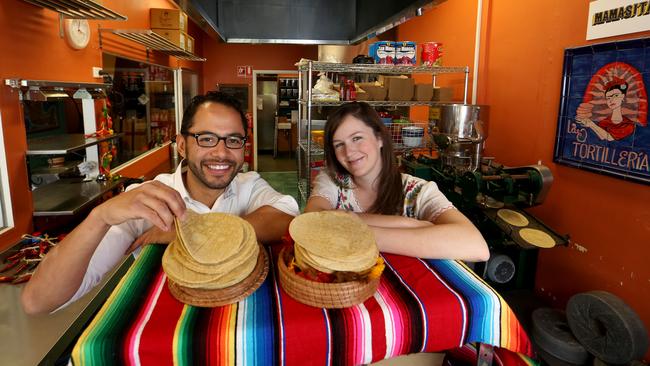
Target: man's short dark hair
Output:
{"points": [[214, 97]]}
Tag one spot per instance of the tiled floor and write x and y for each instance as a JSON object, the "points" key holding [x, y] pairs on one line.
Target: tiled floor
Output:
{"points": [[284, 182], [282, 163]]}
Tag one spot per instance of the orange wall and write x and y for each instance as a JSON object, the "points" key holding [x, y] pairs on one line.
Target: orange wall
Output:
{"points": [[224, 59], [32, 49], [520, 76]]}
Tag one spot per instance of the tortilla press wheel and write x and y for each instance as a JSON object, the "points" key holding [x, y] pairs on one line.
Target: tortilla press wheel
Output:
{"points": [[607, 327], [551, 334]]}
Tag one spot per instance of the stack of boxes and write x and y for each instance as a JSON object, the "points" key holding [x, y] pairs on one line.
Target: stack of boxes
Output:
{"points": [[172, 25], [400, 88]]}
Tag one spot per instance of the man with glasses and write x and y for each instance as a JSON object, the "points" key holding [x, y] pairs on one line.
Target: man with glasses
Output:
{"points": [[211, 141]]}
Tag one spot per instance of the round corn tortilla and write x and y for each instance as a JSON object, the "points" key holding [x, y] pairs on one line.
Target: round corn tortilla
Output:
{"points": [[212, 238], [179, 254], [247, 249], [335, 236], [301, 259], [513, 218], [227, 295], [176, 268], [353, 264], [212, 251], [537, 238]]}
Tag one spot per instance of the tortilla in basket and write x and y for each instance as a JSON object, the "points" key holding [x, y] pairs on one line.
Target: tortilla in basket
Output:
{"points": [[203, 234], [335, 237], [211, 251]]}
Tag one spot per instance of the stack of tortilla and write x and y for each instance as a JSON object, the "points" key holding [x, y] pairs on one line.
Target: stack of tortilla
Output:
{"points": [[334, 242], [215, 260]]}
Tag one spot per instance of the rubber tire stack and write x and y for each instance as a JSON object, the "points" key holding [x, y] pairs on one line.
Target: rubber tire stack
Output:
{"points": [[607, 327], [596, 323], [554, 340]]}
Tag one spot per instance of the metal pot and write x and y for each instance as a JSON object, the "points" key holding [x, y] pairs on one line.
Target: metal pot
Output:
{"points": [[459, 131]]}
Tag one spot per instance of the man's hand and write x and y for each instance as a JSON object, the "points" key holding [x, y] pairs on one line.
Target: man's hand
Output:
{"points": [[152, 201], [153, 236]]}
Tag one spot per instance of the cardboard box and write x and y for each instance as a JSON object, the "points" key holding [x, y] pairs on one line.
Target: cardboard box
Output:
{"points": [[375, 92], [443, 94], [175, 36], [189, 43], [423, 92], [168, 19], [400, 89], [362, 95]]}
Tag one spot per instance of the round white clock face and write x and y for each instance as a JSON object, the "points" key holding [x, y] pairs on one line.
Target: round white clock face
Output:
{"points": [[77, 33]]}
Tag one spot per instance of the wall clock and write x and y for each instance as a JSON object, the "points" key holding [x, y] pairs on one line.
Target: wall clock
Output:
{"points": [[77, 33]]}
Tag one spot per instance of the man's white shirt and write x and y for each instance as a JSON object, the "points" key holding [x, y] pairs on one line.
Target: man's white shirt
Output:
{"points": [[245, 194]]}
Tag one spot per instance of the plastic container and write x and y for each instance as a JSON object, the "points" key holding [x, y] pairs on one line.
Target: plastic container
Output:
{"points": [[405, 53], [317, 137], [412, 136], [383, 52]]}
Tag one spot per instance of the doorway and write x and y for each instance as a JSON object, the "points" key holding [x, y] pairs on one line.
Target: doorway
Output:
{"points": [[275, 96]]}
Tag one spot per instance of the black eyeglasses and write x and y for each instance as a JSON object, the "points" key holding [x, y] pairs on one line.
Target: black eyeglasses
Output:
{"points": [[207, 139]]}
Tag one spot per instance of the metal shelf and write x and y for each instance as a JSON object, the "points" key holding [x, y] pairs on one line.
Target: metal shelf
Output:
{"points": [[377, 103], [79, 9], [155, 42], [69, 196], [379, 69], [315, 149], [302, 189], [45, 170], [17, 83], [63, 144], [306, 75]]}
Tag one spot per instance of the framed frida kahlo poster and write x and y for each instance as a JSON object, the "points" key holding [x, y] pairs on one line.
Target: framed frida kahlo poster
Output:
{"points": [[603, 119]]}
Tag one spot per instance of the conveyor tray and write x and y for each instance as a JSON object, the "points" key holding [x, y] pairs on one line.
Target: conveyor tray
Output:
{"points": [[513, 231]]}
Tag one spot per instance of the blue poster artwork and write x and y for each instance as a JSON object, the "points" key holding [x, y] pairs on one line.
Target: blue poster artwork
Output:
{"points": [[603, 119]]}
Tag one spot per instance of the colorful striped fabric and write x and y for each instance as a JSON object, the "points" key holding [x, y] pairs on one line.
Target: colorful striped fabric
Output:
{"points": [[420, 306]]}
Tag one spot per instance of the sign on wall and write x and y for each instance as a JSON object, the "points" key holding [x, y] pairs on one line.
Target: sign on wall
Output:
{"points": [[614, 17], [244, 71], [603, 121]]}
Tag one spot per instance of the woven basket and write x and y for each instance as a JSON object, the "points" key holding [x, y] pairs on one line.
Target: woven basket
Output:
{"points": [[227, 295], [322, 295]]}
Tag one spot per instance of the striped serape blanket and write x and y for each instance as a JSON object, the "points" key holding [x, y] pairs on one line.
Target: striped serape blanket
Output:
{"points": [[420, 306]]}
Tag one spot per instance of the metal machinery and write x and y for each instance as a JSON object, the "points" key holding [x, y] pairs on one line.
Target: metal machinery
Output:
{"points": [[483, 190]]}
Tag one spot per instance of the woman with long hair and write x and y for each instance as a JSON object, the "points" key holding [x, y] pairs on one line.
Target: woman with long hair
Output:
{"points": [[409, 216]]}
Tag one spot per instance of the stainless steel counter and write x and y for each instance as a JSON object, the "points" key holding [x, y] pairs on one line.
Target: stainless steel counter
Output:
{"points": [[30, 340], [69, 196]]}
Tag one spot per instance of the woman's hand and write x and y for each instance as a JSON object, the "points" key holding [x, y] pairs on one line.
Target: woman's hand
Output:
{"points": [[153, 236]]}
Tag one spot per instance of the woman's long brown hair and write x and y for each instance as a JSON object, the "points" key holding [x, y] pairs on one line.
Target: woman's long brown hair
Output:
{"points": [[390, 197]]}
